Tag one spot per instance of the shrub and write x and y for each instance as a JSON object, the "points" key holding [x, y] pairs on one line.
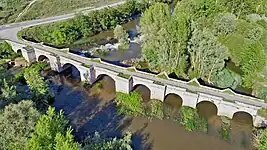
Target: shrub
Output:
{"points": [[97, 142], [130, 104], [156, 109], [191, 120]]}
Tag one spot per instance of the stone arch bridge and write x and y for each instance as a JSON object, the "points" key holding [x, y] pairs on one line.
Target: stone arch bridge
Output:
{"points": [[228, 103]]}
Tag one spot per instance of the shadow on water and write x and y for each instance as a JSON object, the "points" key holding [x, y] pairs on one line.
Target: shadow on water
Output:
{"points": [[91, 110]]}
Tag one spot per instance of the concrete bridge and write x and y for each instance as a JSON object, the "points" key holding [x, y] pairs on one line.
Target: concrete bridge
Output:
{"points": [[227, 102]]}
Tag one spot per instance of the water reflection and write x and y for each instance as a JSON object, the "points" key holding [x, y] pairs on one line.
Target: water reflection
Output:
{"points": [[143, 91], [90, 109]]}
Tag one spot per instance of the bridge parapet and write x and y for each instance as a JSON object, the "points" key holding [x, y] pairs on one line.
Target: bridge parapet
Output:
{"points": [[227, 101]]}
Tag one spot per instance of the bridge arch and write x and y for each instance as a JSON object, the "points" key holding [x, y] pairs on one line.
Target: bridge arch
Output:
{"points": [[173, 100], [107, 82], [72, 69], [143, 90], [243, 117], [19, 52], [207, 108], [43, 58]]}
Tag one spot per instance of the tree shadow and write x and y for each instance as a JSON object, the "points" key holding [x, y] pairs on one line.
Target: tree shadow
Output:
{"points": [[140, 140], [88, 114]]}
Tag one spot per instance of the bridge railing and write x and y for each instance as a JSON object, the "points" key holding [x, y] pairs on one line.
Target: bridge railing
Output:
{"points": [[224, 93]]}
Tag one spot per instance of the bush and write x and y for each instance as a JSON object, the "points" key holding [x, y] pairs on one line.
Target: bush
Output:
{"points": [[99, 143], [225, 129], [191, 120], [227, 79], [156, 109], [16, 124], [130, 104]]}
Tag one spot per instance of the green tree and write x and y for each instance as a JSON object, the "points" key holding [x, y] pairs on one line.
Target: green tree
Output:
{"points": [[130, 104], [263, 140], [38, 86], [207, 55], [51, 133], [166, 39], [8, 93], [17, 122], [226, 79], [253, 61], [99, 143], [6, 51], [122, 36], [225, 24], [65, 142]]}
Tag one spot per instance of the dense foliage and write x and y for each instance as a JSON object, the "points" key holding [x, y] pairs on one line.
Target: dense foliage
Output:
{"points": [[122, 36], [191, 120], [166, 39], [17, 122], [83, 26], [263, 140], [97, 142], [130, 104], [51, 133], [200, 36], [6, 51]]}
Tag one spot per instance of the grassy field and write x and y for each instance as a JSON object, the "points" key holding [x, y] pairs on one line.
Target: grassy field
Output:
{"points": [[44, 8], [47, 8], [10, 9]]}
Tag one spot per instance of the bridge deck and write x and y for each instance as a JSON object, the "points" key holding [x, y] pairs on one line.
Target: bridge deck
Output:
{"points": [[173, 82]]}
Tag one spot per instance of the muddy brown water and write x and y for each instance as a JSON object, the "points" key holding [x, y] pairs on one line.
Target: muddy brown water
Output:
{"points": [[134, 50], [92, 109]]}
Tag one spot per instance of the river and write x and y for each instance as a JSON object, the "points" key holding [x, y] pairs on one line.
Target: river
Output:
{"points": [[91, 109]]}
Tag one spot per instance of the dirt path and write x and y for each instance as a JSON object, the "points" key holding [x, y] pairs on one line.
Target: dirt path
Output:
{"points": [[25, 10]]}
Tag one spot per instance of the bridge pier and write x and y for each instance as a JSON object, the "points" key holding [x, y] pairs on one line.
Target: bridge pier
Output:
{"points": [[227, 103], [29, 54]]}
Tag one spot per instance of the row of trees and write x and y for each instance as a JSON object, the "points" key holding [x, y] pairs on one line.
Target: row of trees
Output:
{"points": [[197, 39], [84, 26]]}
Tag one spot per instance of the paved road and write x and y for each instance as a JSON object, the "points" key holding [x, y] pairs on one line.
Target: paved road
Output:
{"points": [[10, 31]]}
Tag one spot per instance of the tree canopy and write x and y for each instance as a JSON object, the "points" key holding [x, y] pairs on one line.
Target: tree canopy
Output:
{"points": [[17, 122]]}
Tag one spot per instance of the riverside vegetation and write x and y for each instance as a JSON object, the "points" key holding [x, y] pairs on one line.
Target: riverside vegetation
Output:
{"points": [[196, 40], [27, 121], [192, 42]]}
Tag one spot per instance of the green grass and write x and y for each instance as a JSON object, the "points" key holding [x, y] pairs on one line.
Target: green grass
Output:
{"points": [[95, 60], [228, 91], [191, 120], [131, 69], [225, 129], [230, 101], [130, 104], [85, 65], [262, 112], [98, 85], [124, 75], [47, 8], [162, 75], [10, 13], [156, 109], [158, 83], [193, 83]]}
